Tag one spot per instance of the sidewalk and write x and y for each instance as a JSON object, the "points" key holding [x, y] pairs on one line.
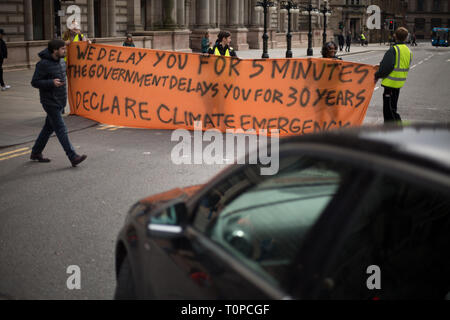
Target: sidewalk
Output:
{"points": [[22, 116], [301, 52], [21, 113]]}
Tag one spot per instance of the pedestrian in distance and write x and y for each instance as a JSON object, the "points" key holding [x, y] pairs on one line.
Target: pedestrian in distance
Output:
{"points": [[341, 41], [206, 44], [394, 70], [348, 41], [50, 78], [3, 56], [329, 51], [128, 41], [222, 46], [413, 40], [363, 39]]}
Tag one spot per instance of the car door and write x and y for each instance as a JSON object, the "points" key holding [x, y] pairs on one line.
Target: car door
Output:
{"points": [[395, 244], [247, 229]]}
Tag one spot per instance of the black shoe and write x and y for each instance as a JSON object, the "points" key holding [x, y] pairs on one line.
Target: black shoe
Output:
{"points": [[78, 159], [38, 157]]}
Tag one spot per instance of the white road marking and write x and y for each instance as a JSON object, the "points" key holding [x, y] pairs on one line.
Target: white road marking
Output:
{"points": [[376, 88]]}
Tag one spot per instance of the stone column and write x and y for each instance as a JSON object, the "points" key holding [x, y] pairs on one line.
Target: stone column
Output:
{"points": [[233, 16], [181, 14], [235, 23], [134, 15], [112, 18], [28, 13], [241, 13], [203, 24], [255, 14], [203, 14], [154, 14], [170, 13], [90, 18], [255, 33]]}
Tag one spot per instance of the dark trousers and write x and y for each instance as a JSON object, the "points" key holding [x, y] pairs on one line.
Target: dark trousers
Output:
{"points": [[54, 123], [341, 46], [347, 48], [1, 73], [390, 100]]}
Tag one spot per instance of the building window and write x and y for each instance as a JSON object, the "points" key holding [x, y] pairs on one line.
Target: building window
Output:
{"points": [[436, 5], [420, 24], [436, 23], [38, 20], [419, 5]]}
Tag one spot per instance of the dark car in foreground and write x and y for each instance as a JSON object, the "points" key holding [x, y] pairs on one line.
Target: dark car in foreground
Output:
{"points": [[352, 214]]}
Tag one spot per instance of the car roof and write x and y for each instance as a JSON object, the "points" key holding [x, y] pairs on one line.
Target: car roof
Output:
{"points": [[426, 144]]}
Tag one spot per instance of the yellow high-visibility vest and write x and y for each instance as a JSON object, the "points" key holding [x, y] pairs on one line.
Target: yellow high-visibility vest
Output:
{"points": [[75, 39], [403, 58], [217, 52]]}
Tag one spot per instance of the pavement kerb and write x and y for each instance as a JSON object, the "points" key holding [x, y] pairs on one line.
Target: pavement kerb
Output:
{"points": [[53, 135], [353, 53]]}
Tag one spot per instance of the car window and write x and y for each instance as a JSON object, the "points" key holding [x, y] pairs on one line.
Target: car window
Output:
{"points": [[404, 230], [262, 220]]}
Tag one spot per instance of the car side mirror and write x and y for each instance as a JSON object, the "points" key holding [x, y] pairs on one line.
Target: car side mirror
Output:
{"points": [[168, 221]]}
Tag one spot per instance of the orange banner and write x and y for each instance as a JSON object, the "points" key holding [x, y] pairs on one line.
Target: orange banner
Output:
{"points": [[153, 89]]}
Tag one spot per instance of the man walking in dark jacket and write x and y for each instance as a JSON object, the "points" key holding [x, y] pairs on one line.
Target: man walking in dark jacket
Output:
{"points": [[50, 78], [3, 55]]}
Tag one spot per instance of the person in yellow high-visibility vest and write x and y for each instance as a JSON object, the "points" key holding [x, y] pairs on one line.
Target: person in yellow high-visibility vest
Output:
{"points": [[394, 70], [73, 35], [222, 46]]}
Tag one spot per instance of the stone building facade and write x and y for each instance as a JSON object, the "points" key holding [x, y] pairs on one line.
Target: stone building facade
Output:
{"points": [[418, 16], [423, 15], [159, 24]]}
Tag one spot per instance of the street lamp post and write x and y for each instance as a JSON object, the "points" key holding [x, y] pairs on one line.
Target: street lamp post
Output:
{"points": [[289, 7], [309, 11], [266, 6], [326, 13]]}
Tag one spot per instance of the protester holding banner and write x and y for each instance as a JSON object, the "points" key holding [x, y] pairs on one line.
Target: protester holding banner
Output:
{"points": [[222, 46], [329, 51], [394, 70], [50, 78]]}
